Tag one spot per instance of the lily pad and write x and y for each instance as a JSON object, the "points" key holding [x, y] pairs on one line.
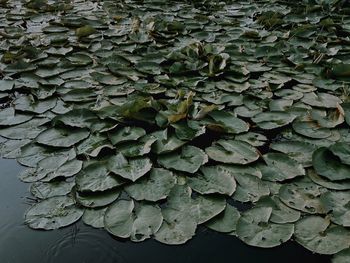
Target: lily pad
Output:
{"points": [[154, 188], [97, 199], [94, 217], [232, 151], [336, 203], [189, 160], [131, 169], [213, 180], [280, 167], [59, 137], [328, 165], [138, 221], [273, 120], [303, 196], [46, 190], [53, 213], [254, 229], [226, 222], [317, 235], [96, 177]]}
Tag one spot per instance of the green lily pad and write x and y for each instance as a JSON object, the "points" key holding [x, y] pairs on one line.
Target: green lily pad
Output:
{"points": [[165, 143], [273, 120], [12, 148], [8, 117], [59, 137], [303, 196], [27, 130], [322, 100], [154, 188], [232, 151], [226, 222], [190, 159], [97, 199], [96, 177], [328, 165], [342, 151], [342, 256], [138, 221], [6, 85], [336, 203], [213, 179], [126, 134], [53, 213], [131, 169], [46, 190], [77, 118], [297, 150], [323, 181], [317, 235], [281, 214], [227, 122], [254, 229], [94, 217], [280, 167]]}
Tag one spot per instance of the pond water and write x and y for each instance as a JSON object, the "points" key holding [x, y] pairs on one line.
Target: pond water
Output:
{"points": [[82, 244]]}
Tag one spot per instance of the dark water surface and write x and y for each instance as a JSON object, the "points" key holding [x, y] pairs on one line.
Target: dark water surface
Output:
{"points": [[83, 244]]}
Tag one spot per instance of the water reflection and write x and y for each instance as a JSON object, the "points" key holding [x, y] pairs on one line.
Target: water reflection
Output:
{"points": [[83, 244]]}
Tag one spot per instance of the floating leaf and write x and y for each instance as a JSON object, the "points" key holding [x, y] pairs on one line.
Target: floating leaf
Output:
{"points": [[59, 137], [154, 188], [336, 203], [213, 179], [280, 167], [189, 160], [273, 120], [232, 151], [317, 235], [254, 228], [124, 219], [298, 151], [94, 217], [8, 117], [131, 169], [226, 222], [303, 196], [46, 190], [227, 122], [126, 134], [327, 165], [97, 199], [53, 213], [96, 177]]}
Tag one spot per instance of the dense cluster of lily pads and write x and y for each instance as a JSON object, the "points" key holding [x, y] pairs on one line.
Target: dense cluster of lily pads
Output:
{"points": [[149, 118]]}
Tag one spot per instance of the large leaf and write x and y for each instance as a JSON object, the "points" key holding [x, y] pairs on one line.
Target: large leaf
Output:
{"points": [[190, 159], [96, 177], [9, 117], [131, 169], [280, 167], [317, 235], [213, 179], [273, 120], [329, 166], [232, 151], [124, 219], [303, 196], [59, 137], [53, 213], [254, 228], [337, 203], [156, 187]]}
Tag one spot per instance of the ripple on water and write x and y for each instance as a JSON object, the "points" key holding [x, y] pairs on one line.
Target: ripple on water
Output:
{"points": [[87, 245]]}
